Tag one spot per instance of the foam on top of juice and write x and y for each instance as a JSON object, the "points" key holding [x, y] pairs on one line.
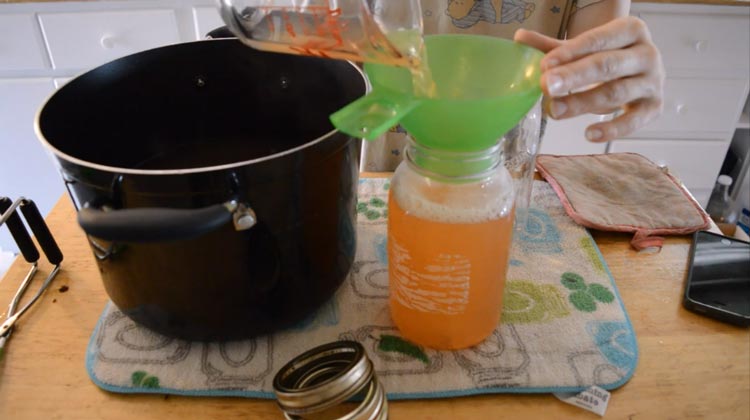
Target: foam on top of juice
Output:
{"points": [[475, 202]]}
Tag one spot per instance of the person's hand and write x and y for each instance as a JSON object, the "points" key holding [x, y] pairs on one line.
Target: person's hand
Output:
{"points": [[612, 67]]}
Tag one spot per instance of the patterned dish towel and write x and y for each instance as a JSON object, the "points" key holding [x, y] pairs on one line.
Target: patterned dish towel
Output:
{"points": [[563, 329]]}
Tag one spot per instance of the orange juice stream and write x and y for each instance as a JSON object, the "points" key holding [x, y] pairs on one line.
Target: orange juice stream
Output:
{"points": [[447, 273], [322, 32], [411, 44]]}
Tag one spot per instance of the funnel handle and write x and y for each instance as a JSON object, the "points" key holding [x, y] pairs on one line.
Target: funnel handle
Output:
{"points": [[372, 115]]}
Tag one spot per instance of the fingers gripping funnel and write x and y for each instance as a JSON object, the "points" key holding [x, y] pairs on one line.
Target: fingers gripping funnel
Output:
{"points": [[485, 86]]}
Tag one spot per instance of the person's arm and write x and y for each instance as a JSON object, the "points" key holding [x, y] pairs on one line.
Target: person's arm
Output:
{"points": [[595, 13], [601, 69]]}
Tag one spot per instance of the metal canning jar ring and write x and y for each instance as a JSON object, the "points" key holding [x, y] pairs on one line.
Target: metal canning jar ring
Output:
{"points": [[326, 376]]}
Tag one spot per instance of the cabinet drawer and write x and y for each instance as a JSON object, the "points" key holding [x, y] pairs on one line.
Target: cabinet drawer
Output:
{"points": [[701, 41], [20, 46], [88, 39], [695, 162], [698, 105], [567, 137], [206, 20]]}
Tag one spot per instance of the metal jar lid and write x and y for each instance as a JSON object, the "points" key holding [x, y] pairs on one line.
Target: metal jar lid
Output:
{"points": [[326, 376]]}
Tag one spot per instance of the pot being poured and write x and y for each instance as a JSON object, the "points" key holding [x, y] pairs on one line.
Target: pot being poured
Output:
{"points": [[218, 199]]}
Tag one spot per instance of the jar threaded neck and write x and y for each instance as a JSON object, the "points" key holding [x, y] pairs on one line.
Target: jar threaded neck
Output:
{"points": [[455, 166]]}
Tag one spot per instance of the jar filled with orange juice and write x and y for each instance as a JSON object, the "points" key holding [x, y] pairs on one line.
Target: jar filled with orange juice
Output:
{"points": [[450, 224]]}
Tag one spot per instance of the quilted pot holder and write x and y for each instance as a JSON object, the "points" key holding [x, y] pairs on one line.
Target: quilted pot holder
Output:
{"points": [[623, 192]]}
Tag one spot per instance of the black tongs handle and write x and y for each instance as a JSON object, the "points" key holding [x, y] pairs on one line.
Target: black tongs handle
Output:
{"points": [[34, 219], [19, 233], [41, 232]]}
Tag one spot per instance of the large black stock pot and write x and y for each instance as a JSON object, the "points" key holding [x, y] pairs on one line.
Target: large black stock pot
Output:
{"points": [[218, 200]]}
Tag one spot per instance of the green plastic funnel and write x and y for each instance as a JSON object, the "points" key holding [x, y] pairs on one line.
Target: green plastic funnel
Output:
{"points": [[485, 86]]}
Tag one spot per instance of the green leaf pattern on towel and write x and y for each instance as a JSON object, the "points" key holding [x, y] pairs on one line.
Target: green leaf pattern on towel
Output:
{"points": [[601, 293], [377, 202], [573, 281], [526, 302], [592, 252], [391, 343], [373, 209], [583, 296], [582, 301], [142, 379]]}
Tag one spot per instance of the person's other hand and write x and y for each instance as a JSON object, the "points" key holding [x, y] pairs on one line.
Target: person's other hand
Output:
{"points": [[610, 67]]}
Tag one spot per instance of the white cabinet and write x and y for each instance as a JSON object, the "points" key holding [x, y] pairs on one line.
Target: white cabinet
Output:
{"points": [[680, 157], [567, 137], [698, 37], [20, 43], [206, 20], [706, 52], [45, 44], [100, 37], [696, 106], [25, 167]]}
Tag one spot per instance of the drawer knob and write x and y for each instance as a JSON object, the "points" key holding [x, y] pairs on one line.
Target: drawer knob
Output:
{"points": [[700, 46], [680, 109], [107, 42]]}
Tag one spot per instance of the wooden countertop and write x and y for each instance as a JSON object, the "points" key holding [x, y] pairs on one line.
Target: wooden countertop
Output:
{"points": [[702, 2], [690, 366]]}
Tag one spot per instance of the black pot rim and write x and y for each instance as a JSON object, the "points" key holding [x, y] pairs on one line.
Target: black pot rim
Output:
{"points": [[117, 170]]}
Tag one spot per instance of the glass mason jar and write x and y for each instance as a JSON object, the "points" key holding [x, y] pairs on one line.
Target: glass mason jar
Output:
{"points": [[721, 207], [520, 147], [450, 224]]}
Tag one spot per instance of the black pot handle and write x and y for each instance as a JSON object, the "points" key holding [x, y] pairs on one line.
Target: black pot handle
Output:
{"points": [[142, 225]]}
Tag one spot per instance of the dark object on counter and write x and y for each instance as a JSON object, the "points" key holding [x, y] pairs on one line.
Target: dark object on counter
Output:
{"points": [[718, 279], [10, 215], [218, 199]]}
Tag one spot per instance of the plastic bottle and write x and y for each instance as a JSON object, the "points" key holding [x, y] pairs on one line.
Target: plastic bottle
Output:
{"points": [[450, 225], [720, 206]]}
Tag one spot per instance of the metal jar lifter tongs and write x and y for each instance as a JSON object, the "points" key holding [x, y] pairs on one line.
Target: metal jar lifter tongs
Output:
{"points": [[10, 217]]}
